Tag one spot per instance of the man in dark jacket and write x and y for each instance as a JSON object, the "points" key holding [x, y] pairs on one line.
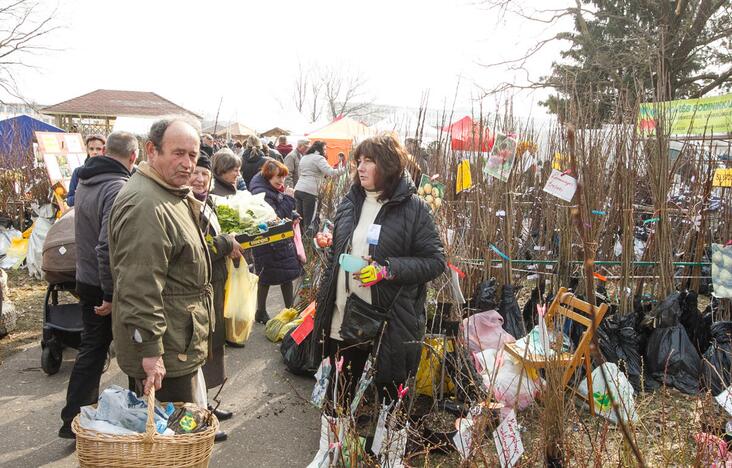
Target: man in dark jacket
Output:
{"points": [[99, 181]]}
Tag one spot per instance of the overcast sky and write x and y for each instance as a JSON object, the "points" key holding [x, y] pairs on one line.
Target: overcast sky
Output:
{"points": [[195, 52]]}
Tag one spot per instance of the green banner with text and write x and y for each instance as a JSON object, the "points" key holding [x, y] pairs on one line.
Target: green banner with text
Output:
{"points": [[709, 116]]}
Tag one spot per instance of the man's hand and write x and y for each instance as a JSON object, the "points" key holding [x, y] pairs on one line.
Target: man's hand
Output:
{"points": [[104, 309], [236, 252], [155, 372]]}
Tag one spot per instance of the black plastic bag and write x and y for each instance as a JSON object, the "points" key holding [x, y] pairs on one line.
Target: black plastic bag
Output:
{"points": [[529, 313], [511, 313], [670, 356], [697, 326], [619, 343], [718, 359], [485, 296], [296, 357]]}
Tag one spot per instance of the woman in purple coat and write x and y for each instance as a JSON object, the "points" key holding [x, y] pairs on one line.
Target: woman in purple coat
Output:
{"points": [[276, 263]]}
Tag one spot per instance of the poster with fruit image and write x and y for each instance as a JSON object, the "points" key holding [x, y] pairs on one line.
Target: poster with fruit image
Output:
{"points": [[432, 192]]}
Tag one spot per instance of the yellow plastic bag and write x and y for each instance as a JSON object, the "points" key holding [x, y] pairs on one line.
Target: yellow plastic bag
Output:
{"points": [[464, 180], [275, 324], [430, 368], [287, 327], [240, 302]]}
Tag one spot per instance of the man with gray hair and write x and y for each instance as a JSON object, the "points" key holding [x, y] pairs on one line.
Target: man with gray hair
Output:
{"points": [[292, 161], [100, 179], [162, 310]]}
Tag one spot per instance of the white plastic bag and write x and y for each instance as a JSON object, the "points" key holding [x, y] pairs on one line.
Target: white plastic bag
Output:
{"points": [[34, 259], [617, 388], [503, 377], [722, 270]]}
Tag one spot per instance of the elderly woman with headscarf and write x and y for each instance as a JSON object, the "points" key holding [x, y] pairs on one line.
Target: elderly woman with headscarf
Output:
{"points": [[220, 246], [225, 166]]}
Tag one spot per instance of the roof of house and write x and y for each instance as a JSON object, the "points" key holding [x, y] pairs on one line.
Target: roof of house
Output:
{"points": [[113, 103]]}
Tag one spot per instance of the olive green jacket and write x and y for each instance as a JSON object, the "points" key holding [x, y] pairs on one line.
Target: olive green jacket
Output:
{"points": [[162, 301]]}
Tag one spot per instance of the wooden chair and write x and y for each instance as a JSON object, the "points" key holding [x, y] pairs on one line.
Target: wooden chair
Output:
{"points": [[582, 313]]}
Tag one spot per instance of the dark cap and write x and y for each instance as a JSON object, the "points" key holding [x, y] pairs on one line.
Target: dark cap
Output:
{"points": [[203, 161]]}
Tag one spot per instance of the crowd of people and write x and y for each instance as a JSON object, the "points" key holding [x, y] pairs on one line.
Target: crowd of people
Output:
{"points": [[152, 258]]}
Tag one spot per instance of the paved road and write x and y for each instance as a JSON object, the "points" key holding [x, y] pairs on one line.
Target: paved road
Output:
{"points": [[273, 426]]}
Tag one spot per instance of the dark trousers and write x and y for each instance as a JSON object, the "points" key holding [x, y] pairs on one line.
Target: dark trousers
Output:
{"points": [[181, 389], [263, 291], [84, 381], [305, 204]]}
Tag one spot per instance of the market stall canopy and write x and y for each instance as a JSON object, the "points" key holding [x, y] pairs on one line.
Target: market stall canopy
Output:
{"points": [[16, 135], [468, 135], [275, 132], [340, 136], [136, 125], [234, 130]]}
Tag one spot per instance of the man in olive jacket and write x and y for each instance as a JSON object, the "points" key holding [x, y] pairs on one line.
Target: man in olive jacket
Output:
{"points": [[162, 306]]}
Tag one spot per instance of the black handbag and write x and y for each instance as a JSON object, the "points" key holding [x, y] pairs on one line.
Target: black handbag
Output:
{"points": [[362, 321]]}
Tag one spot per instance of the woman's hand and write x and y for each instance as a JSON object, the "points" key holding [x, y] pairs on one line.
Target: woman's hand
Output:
{"points": [[371, 274], [290, 191]]}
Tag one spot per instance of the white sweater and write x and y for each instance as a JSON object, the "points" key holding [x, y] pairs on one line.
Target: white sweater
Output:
{"points": [[313, 168], [359, 248]]}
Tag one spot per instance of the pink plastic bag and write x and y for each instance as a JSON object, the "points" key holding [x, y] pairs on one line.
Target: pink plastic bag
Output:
{"points": [[299, 247], [484, 330]]}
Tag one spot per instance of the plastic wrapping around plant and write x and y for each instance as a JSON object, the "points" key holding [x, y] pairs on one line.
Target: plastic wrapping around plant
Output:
{"points": [[511, 312], [670, 356], [718, 359], [722, 270], [619, 344]]}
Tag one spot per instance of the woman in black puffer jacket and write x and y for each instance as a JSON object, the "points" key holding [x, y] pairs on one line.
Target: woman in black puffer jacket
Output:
{"points": [[382, 220], [275, 263]]}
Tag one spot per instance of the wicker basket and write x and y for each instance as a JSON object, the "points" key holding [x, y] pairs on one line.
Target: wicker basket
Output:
{"points": [[97, 449]]}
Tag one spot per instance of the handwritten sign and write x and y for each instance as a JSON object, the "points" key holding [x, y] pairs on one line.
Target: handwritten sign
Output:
{"points": [[463, 438], [722, 177], [725, 400], [508, 441], [561, 185]]}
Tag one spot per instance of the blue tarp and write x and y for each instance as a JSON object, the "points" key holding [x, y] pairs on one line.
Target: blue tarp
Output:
{"points": [[16, 134]]}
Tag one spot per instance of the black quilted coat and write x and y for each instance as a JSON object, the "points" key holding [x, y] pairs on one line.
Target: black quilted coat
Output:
{"points": [[409, 241]]}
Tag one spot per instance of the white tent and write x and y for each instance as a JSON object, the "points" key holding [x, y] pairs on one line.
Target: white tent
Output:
{"points": [[405, 125]]}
